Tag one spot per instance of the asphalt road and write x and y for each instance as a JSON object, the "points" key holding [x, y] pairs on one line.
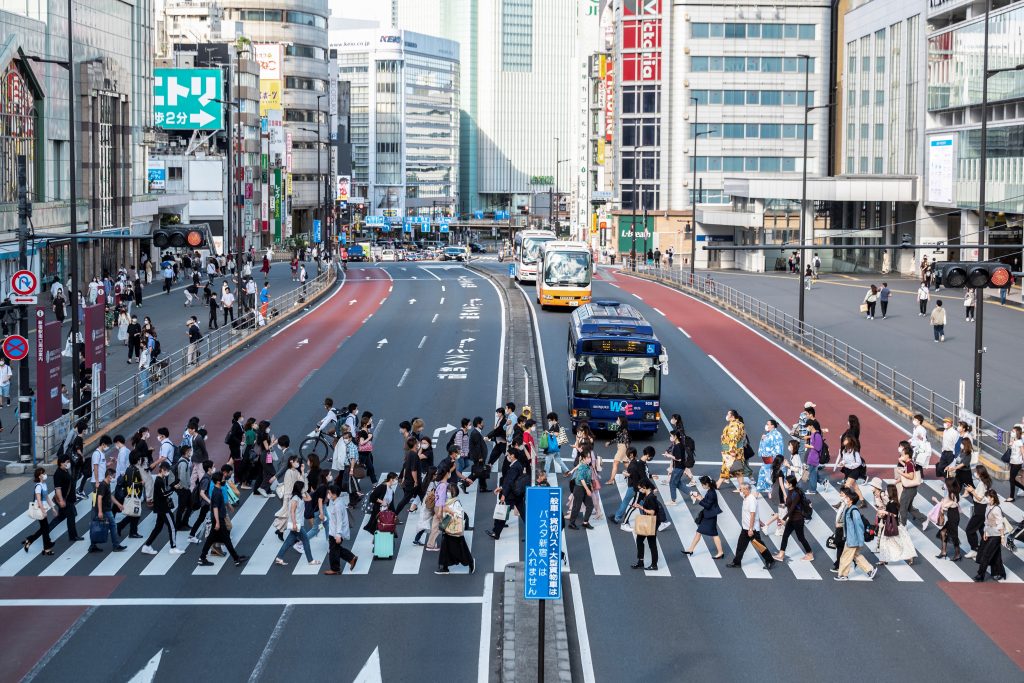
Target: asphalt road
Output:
{"points": [[395, 617]]}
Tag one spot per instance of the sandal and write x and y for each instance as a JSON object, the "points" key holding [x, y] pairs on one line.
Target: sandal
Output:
{"points": [[313, 563]]}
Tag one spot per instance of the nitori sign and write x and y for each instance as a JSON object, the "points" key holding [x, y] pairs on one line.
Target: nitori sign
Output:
{"points": [[188, 99]]}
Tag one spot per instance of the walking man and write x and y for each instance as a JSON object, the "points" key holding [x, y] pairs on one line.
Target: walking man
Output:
{"points": [[163, 505], [883, 298], [938, 320], [749, 531], [219, 532]]}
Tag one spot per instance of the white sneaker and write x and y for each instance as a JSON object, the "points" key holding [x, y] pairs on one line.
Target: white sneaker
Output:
{"points": [[779, 531], [971, 555], [664, 525], [692, 484], [148, 550], [626, 527], [193, 539], [924, 525], [297, 547], [177, 551]]}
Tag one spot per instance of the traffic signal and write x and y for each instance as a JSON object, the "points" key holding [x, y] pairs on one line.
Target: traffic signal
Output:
{"points": [[179, 236], [973, 274]]}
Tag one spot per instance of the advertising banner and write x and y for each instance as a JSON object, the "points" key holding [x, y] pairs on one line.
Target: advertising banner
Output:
{"points": [[278, 192], [95, 343], [156, 174], [269, 57], [48, 367], [344, 187], [941, 168], [270, 96]]}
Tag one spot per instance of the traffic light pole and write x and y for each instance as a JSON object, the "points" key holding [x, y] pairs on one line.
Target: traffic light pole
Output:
{"points": [[24, 390], [979, 294]]}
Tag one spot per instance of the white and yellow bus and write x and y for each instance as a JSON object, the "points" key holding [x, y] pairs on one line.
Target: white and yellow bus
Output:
{"points": [[564, 274], [526, 250]]}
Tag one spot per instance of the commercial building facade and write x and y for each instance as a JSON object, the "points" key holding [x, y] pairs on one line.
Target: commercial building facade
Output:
{"points": [[404, 120]]}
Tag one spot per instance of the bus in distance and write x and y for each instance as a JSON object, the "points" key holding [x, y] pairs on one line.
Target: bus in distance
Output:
{"points": [[615, 365], [526, 252], [564, 274]]}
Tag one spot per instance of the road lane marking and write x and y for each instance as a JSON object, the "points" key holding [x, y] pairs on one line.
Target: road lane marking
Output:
{"points": [[730, 529], [404, 375], [501, 343], [686, 528], [344, 280], [240, 523], [244, 601], [484, 657], [586, 657], [261, 559], [20, 559], [540, 351], [427, 271], [638, 297], [685, 333], [410, 555], [442, 299], [268, 649], [422, 342], [318, 548], [383, 300], [442, 288], [434, 319], [113, 562], [658, 311]]}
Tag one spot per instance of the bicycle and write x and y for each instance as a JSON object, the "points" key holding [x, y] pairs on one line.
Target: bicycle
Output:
{"points": [[319, 444]]}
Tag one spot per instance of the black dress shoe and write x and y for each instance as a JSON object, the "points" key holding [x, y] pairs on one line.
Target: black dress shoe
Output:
{"points": [[769, 565], [734, 565], [573, 527], [492, 535], [586, 525], [639, 564], [979, 579], [652, 568], [135, 536]]}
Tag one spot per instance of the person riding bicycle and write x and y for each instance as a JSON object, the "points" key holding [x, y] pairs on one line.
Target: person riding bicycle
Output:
{"points": [[328, 426]]}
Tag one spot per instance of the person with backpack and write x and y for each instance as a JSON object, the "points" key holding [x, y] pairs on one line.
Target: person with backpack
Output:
{"points": [[815, 450], [163, 508], [583, 491], [680, 462], [181, 484], [103, 517], [219, 530], [549, 445], [338, 531], [707, 518], [798, 510], [853, 532], [454, 549], [201, 500]]}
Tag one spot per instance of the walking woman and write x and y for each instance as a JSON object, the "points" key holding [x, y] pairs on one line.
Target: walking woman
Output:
{"points": [[777, 496], [39, 497], [991, 554], [894, 542], [454, 549], [646, 525], [852, 466], [293, 474], [949, 531], [293, 523], [908, 479], [425, 512], [733, 437], [979, 496], [796, 507], [266, 457], [622, 442], [707, 518], [364, 444], [870, 301], [1016, 461], [969, 299]]}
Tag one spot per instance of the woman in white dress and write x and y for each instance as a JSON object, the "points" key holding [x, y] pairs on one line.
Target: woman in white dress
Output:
{"points": [[894, 542], [122, 326]]}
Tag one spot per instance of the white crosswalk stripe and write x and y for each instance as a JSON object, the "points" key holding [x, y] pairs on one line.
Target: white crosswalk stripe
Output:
{"points": [[662, 569], [610, 550]]}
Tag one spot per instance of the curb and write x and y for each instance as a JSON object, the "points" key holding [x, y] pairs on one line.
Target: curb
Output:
{"points": [[520, 633], [997, 470]]}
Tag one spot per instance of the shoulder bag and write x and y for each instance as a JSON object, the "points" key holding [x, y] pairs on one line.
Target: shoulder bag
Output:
{"points": [[35, 512], [646, 525], [132, 506]]}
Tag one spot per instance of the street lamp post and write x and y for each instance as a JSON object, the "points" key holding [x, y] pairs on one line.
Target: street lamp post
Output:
{"points": [[803, 190], [693, 191], [321, 179], [76, 377]]}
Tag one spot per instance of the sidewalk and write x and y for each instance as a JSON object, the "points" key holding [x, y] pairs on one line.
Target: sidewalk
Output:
{"points": [[168, 313], [904, 339]]}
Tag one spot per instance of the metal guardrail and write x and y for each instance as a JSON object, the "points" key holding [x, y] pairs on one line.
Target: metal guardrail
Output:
{"points": [[130, 393], [886, 380]]}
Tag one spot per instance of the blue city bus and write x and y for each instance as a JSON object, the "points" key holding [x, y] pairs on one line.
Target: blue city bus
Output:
{"points": [[615, 364]]}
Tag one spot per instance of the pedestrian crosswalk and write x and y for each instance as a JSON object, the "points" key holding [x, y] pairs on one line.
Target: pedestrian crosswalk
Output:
{"points": [[605, 550]]}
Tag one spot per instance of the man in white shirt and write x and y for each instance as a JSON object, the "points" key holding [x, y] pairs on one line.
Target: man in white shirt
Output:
{"points": [[351, 419], [329, 422], [947, 453], [165, 452], [98, 465], [5, 381], [749, 530], [227, 303], [122, 456]]}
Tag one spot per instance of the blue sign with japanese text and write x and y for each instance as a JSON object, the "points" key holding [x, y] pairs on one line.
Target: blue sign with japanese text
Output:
{"points": [[316, 231], [543, 552]]}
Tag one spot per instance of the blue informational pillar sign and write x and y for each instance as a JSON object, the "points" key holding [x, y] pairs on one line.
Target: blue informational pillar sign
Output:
{"points": [[543, 543]]}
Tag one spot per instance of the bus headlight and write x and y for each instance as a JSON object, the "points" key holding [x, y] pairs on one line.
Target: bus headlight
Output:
{"points": [[651, 417]]}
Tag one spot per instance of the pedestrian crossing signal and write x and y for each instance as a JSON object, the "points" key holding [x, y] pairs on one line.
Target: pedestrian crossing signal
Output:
{"points": [[959, 275], [182, 236]]}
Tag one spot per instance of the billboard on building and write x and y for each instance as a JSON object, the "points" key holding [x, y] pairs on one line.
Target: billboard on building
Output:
{"points": [[188, 99], [941, 169], [270, 96], [608, 75], [344, 187], [270, 56], [156, 174]]}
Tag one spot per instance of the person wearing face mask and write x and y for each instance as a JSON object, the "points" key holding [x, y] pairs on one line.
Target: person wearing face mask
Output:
{"points": [[293, 473], [64, 497], [771, 446], [42, 505], [381, 498], [552, 448], [410, 476], [425, 456]]}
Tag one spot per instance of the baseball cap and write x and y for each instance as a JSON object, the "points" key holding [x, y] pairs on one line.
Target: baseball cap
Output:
{"points": [[876, 483], [947, 420], [809, 405]]}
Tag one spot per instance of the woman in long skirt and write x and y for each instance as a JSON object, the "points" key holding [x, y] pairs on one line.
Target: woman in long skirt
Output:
{"points": [[894, 542], [949, 532], [454, 549]]}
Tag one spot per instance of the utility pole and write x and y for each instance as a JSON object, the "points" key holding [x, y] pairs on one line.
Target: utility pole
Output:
{"points": [[803, 194], [979, 293], [25, 392], [632, 221], [693, 192], [76, 378], [239, 231]]}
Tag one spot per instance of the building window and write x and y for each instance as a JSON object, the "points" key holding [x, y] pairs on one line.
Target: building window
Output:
{"points": [[878, 166], [174, 173], [18, 124], [517, 35], [308, 51]]}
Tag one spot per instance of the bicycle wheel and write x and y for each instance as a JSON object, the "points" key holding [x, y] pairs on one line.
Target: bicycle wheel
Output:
{"points": [[313, 445]]}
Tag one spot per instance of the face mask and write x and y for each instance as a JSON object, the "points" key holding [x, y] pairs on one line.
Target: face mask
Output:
{"points": [[44, 478]]}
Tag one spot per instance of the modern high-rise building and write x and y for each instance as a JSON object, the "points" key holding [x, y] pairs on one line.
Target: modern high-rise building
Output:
{"points": [[404, 120], [300, 30], [520, 71]]}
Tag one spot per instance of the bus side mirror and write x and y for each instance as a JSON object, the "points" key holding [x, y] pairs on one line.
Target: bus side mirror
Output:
{"points": [[572, 365], [663, 362]]}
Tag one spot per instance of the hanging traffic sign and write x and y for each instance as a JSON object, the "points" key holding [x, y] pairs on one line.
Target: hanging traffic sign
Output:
{"points": [[188, 99], [16, 347], [24, 282]]}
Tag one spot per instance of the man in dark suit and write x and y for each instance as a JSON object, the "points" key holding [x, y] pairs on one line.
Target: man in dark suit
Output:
{"points": [[477, 456]]}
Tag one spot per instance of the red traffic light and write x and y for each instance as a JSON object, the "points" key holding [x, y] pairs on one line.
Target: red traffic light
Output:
{"points": [[1000, 277], [957, 275]]}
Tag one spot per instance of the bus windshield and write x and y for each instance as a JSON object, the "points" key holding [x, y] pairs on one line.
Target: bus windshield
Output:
{"points": [[600, 376], [567, 268], [531, 247]]}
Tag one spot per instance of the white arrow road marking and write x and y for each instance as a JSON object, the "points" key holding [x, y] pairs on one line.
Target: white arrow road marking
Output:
{"points": [[382, 342], [442, 430], [370, 673], [353, 302], [302, 343], [412, 301], [422, 342], [148, 672]]}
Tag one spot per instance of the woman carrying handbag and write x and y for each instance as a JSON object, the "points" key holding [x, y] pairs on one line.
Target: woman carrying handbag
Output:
{"points": [[707, 518], [39, 510], [894, 543], [949, 519], [908, 479], [646, 525], [991, 554]]}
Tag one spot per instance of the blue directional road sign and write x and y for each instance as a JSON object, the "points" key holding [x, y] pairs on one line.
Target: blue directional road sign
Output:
{"points": [[543, 543], [188, 99], [316, 231]]}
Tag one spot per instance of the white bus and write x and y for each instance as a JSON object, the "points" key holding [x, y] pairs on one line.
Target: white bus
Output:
{"points": [[526, 252]]}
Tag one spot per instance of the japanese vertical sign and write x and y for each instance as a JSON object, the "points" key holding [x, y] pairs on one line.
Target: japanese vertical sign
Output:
{"points": [[543, 543], [96, 343], [48, 367]]}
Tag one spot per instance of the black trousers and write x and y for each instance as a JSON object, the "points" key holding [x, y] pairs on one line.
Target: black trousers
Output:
{"points": [[229, 312], [336, 553], [652, 543], [500, 524], [795, 527], [44, 531], [221, 535], [744, 541], [990, 557], [408, 493], [184, 510], [366, 460], [922, 306], [69, 513], [974, 526], [580, 497], [945, 458], [496, 452], [1014, 471], [203, 511], [163, 519], [131, 522], [840, 537], [479, 472], [885, 307]]}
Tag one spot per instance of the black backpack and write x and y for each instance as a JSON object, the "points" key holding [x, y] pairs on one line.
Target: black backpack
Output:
{"points": [[805, 506], [690, 449], [156, 347], [825, 454], [204, 484]]}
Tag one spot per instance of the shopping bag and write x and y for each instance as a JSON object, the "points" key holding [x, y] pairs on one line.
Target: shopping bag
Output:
{"points": [[98, 531], [501, 512]]}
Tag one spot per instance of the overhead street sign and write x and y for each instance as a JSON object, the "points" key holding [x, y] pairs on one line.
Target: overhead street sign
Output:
{"points": [[15, 347], [24, 283], [187, 99]]}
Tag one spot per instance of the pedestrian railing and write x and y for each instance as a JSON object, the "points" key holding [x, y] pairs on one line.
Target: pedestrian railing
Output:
{"points": [[169, 368], [886, 380]]}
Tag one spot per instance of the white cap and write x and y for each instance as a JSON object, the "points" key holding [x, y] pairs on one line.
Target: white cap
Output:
{"points": [[809, 405]]}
